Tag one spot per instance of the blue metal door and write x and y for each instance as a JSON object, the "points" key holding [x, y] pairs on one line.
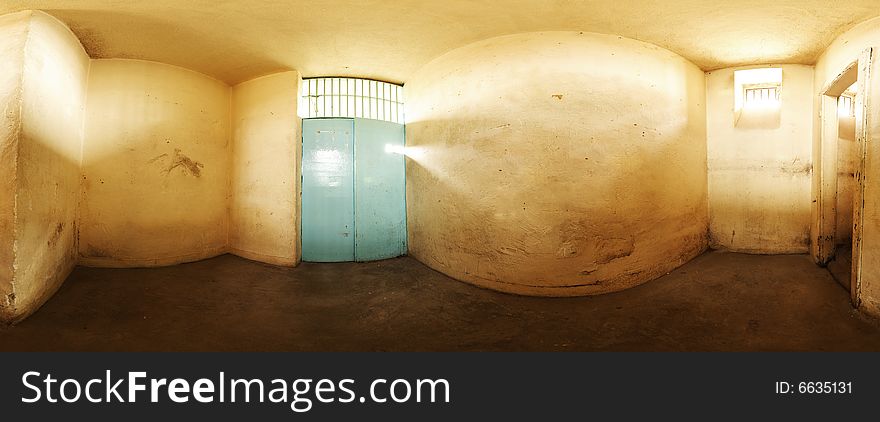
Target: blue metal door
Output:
{"points": [[328, 226], [380, 190]]}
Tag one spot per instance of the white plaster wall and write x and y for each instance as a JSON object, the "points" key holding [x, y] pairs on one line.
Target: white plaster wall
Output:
{"points": [[155, 165], [759, 176], [843, 51], [13, 34], [557, 163], [264, 208]]}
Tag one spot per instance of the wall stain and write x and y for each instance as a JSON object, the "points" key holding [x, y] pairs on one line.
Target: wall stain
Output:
{"points": [[506, 125], [94, 252], [178, 160], [557, 96], [614, 248], [59, 228], [796, 166], [90, 39], [567, 249]]}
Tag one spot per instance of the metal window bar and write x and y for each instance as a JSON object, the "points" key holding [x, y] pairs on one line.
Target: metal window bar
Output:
{"points": [[352, 97], [846, 104], [762, 95]]}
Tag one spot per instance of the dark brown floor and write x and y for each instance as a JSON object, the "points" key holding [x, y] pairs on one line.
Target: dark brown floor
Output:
{"points": [[719, 301]]}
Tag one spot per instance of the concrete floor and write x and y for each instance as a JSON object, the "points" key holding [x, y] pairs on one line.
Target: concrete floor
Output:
{"points": [[718, 301]]}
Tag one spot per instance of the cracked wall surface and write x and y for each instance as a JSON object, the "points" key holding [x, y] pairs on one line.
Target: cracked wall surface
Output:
{"points": [[557, 163]]}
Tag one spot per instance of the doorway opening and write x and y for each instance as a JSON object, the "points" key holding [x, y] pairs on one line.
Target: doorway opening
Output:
{"points": [[840, 265], [353, 190], [839, 175]]}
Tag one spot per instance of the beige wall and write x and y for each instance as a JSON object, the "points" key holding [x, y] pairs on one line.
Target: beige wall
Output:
{"points": [[531, 172], [45, 160], [155, 165], [759, 174], [843, 51], [265, 173], [13, 34], [847, 166]]}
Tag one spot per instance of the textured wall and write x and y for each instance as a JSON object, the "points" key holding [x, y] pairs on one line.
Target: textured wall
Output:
{"points": [[155, 165], [265, 173], [760, 175], [45, 161], [843, 51], [557, 163], [13, 34]]}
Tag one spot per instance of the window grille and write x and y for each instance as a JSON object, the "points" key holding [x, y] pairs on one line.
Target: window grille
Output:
{"points": [[761, 95], [846, 106], [352, 97]]}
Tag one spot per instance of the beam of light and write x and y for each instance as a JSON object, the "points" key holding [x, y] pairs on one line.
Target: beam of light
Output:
{"points": [[395, 149], [411, 152]]}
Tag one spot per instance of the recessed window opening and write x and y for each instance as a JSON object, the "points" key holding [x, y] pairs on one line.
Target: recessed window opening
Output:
{"points": [[352, 98], [757, 98], [757, 88]]}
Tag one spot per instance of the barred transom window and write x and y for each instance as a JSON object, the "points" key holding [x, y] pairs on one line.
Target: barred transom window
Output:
{"points": [[352, 97]]}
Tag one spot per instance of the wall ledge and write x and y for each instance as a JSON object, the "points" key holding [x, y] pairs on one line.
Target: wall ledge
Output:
{"points": [[113, 262], [622, 282]]}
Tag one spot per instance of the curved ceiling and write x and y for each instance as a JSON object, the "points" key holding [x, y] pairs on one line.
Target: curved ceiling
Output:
{"points": [[390, 39]]}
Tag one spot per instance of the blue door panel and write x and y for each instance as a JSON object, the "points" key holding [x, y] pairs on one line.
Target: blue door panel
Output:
{"points": [[380, 190], [353, 190], [328, 226]]}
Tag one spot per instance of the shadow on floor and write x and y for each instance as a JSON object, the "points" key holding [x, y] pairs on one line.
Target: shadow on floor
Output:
{"points": [[717, 302], [841, 266]]}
